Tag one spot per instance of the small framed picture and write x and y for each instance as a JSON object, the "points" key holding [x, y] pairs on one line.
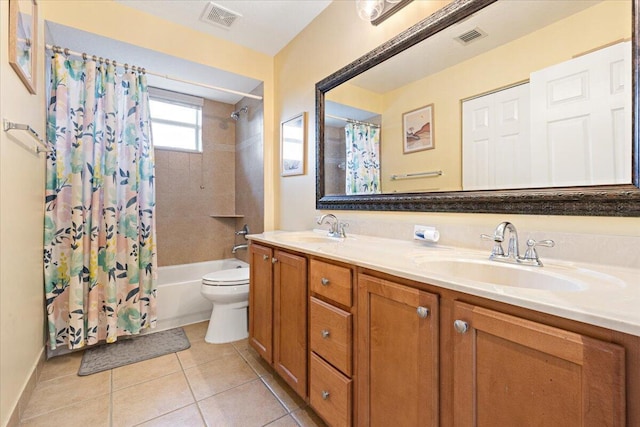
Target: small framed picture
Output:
{"points": [[293, 145], [23, 36], [417, 126]]}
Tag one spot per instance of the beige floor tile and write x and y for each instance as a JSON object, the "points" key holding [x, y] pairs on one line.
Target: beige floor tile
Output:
{"points": [[196, 331], [219, 375], [203, 352], [256, 362], [283, 392], [305, 417], [286, 421], [247, 405], [146, 370], [93, 412], [51, 395], [241, 345], [61, 365], [189, 416], [145, 401]]}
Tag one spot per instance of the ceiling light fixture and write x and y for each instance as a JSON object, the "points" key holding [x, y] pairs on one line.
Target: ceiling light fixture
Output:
{"points": [[376, 11]]}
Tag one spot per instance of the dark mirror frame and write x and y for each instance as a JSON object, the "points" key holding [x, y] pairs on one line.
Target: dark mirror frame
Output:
{"points": [[614, 200]]}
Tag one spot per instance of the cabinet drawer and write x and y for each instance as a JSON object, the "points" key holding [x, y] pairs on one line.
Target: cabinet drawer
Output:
{"points": [[330, 393], [331, 334], [331, 281]]}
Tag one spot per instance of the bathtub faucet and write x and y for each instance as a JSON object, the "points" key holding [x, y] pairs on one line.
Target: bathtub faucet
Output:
{"points": [[236, 247]]}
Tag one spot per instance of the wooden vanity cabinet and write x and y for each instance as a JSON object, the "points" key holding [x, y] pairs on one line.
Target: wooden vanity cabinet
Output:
{"points": [[331, 341], [278, 312], [397, 354], [508, 371], [261, 300]]}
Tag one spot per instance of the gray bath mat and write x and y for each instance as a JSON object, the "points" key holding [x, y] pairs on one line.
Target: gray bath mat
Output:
{"points": [[132, 350]]}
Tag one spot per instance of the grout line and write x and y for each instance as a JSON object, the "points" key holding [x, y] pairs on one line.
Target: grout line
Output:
{"points": [[111, 401]]}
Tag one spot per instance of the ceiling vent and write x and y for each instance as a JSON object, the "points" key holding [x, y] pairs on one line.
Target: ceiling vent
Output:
{"points": [[219, 16], [470, 36]]}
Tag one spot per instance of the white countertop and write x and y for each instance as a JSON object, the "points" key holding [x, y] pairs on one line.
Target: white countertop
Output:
{"points": [[605, 296]]}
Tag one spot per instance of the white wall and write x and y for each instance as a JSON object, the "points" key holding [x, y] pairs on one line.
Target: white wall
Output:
{"points": [[21, 218]]}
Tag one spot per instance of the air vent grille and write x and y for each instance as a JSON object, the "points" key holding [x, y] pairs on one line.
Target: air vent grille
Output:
{"points": [[471, 36], [219, 16]]}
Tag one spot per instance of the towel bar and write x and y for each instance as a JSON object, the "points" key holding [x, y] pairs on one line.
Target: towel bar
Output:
{"points": [[42, 146]]}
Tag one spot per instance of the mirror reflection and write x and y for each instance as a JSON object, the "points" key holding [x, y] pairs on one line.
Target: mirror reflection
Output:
{"points": [[541, 99]]}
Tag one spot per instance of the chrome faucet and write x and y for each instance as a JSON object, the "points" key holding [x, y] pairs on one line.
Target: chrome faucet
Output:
{"points": [[336, 228], [513, 252], [236, 247]]}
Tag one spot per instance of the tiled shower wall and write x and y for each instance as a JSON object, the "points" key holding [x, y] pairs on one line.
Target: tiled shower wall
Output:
{"points": [[249, 168], [191, 187]]}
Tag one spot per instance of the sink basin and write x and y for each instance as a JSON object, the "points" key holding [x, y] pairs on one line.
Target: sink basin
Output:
{"points": [[504, 274], [307, 237]]}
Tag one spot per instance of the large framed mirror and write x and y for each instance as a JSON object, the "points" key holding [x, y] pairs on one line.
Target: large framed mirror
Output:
{"points": [[534, 106]]}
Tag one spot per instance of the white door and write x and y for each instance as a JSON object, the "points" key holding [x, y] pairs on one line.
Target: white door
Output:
{"points": [[495, 140], [581, 120]]}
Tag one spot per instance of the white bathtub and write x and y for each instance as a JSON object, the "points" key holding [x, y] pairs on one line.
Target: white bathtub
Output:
{"points": [[179, 301]]}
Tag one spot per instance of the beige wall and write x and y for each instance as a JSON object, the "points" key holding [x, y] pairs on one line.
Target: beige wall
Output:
{"points": [[21, 229], [332, 41]]}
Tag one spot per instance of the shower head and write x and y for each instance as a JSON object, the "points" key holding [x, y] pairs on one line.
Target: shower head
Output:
{"points": [[236, 114]]}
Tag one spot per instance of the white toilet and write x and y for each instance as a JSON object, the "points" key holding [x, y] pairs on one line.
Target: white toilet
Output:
{"points": [[228, 290]]}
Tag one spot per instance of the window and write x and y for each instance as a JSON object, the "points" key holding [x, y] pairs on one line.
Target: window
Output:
{"points": [[176, 120]]}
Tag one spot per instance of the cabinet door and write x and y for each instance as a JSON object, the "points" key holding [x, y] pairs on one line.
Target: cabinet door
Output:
{"points": [[397, 354], [261, 300], [513, 372], [290, 320]]}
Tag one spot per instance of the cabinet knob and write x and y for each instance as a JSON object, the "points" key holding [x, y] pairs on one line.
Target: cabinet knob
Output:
{"points": [[265, 257], [325, 394], [461, 326], [423, 312], [324, 281], [274, 260], [325, 333]]}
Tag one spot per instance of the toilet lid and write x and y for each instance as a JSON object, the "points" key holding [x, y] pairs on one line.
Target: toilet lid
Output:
{"points": [[231, 277]]}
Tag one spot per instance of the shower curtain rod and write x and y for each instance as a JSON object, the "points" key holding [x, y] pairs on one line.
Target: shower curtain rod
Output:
{"points": [[67, 51], [358, 122]]}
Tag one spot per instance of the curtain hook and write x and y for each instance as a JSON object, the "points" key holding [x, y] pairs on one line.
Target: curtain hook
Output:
{"points": [[126, 68], [84, 56], [66, 51]]}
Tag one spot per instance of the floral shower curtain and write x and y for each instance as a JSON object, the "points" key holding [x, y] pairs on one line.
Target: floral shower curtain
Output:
{"points": [[99, 230], [363, 158]]}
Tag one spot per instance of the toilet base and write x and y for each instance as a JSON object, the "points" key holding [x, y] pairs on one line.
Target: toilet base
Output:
{"points": [[227, 324]]}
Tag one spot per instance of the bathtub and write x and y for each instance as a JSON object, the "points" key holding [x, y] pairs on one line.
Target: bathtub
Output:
{"points": [[178, 300]]}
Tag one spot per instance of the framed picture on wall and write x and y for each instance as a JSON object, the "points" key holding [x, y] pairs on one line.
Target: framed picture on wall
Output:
{"points": [[417, 127], [23, 37], [293, 145]]}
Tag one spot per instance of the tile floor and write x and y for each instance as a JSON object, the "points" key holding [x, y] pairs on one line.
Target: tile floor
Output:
{"points": [[205, 385]]}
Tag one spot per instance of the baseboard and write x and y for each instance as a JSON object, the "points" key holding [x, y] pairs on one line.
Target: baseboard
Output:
{"points": [[18, 410]]}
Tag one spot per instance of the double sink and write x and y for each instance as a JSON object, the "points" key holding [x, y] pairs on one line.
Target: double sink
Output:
{"points": [[454, 265]]}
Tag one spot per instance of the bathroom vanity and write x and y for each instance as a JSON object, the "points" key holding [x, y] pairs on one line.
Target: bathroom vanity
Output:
{"points": [[374, 331]]}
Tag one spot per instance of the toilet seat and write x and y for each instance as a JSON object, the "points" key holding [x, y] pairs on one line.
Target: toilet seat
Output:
{"points": [[231, 277]]}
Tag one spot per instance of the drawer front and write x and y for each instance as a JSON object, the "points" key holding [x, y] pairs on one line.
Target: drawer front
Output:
{"points": [[331, 281], [330, 393], [331, 334]]}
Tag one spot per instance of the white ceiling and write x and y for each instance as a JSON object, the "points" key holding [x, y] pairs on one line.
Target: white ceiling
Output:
{"points": [[265, 25]]}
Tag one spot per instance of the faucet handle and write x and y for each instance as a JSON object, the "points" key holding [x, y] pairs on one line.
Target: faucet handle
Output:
{"points": [[531, 254], [497, 247], [341, 227]]}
